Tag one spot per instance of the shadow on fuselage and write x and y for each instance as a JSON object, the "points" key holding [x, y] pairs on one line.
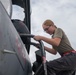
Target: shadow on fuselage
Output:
{"points": [[22, 29]]}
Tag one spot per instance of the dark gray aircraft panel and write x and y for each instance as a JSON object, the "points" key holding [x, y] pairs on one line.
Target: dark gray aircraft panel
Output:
{"points": [[14, 59]]}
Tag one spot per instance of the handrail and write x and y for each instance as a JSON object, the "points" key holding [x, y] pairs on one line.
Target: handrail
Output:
{"points": [[42, 51]]}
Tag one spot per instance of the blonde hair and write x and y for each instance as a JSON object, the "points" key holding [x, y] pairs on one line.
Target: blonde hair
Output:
{"points": [[48, 23]]}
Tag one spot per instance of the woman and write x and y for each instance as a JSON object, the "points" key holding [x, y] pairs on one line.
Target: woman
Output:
{"points": [[60, 43]]}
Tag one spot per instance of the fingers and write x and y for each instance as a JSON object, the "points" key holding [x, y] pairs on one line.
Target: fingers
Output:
{"points": [[37, 38]]}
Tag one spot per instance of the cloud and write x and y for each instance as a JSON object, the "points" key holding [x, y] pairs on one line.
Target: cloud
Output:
{"points": [[62, 12], [18, 12]]}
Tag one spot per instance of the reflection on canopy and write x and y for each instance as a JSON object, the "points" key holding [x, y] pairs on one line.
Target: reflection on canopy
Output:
{"points": [[8, 6]]}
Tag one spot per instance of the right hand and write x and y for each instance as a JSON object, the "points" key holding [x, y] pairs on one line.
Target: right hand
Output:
{"points": [[37, 45]]}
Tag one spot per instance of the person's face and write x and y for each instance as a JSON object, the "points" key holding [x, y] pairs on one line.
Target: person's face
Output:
{"points": [[48, 29]]}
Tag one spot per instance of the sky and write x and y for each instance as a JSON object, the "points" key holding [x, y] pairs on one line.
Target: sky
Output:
{"points": [[61, 12]]}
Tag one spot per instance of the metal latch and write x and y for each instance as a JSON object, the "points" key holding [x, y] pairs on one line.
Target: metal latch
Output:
{"points": [[8, 51]]}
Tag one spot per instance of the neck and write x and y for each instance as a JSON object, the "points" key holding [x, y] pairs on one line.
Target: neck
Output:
{"points": [[54, 29]]}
